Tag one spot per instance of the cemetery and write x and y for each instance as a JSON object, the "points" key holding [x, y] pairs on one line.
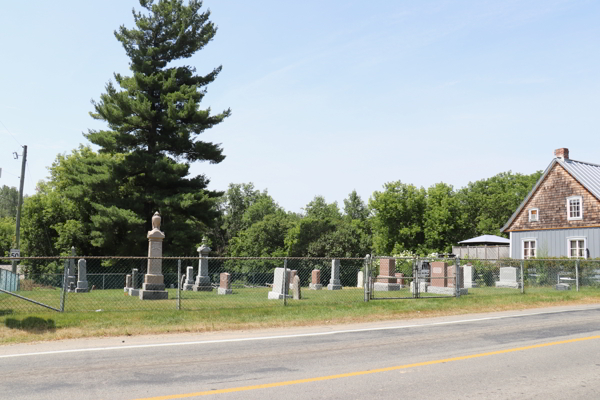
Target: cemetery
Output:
{"points": [[162, 283]]}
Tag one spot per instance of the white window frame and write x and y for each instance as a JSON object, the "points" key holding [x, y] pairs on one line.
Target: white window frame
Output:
{"points": [[537, 214], [577, 238], [534, 240], [569, 199]]}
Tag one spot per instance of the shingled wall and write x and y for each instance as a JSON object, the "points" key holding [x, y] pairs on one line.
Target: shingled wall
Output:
{"points": [[551, 200]]}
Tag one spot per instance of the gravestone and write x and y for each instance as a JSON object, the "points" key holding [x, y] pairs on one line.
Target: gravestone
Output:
{"points": [[154, 281], [279, 284], [450, 282], [291, 274], [296, 288], [439, 272], [127, 283], [562, 286], [225, 284], [508, 278], [334, 282], [386, 280], [360, 279], [468, 275], [134, 290], [71, 278], [82, 283], [188, 281], [315, 283], [202, 279], [400, 279]]}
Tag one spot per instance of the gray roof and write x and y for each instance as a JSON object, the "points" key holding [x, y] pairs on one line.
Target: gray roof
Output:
{"points": [[587, 174], [486, 239]]}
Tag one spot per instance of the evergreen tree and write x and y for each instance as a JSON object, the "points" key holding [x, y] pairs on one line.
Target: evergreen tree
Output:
{"points": [[154, 120]]}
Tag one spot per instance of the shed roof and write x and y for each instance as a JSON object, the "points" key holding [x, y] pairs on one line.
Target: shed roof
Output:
{"points": [[486, 239]]}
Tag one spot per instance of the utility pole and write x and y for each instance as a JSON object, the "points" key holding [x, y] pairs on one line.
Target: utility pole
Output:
{"points": [[19, 204]]}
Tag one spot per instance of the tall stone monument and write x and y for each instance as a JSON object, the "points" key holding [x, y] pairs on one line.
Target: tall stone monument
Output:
{"points": [[134, 290], [154, 281], [334, 282], [280, 284], [202, 279], [82, 283]]}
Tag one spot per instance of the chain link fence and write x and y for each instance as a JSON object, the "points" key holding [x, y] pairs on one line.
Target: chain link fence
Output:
{"points": [[76, 284]]}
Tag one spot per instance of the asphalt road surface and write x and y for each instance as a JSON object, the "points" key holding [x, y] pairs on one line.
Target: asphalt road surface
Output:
{"points": [[534, 354]]}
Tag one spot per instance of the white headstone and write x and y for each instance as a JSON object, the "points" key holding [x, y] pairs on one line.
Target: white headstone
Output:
{"points": [[360, 279], [334, 282], [468, 274], [82, 283], [279, 284], [508, 278]]}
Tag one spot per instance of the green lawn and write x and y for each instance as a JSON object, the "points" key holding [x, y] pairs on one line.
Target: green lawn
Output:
{"points": [[112, 313]]}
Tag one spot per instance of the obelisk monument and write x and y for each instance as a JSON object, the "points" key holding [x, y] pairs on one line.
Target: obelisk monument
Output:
{"points": [[154, 281]]}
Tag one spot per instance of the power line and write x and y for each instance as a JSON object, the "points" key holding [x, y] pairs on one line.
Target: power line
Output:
{"points": [[13, 136]]}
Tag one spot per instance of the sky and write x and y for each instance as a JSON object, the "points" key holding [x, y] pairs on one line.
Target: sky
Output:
{"points": [[328, 96]]}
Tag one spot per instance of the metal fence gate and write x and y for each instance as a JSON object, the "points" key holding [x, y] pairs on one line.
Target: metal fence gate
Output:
{"points": [[412, 278]]}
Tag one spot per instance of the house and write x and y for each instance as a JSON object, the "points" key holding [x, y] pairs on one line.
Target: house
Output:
{"points": [[560, 217]]}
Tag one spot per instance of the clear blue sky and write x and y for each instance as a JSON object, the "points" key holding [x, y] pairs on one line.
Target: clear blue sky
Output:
{"points": [[329, 96]]}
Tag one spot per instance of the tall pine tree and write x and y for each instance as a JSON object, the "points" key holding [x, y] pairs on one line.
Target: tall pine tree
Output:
{"points": [[154, 119]]}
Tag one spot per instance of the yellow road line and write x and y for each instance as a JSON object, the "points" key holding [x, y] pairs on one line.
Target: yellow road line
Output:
{"points": [[372, 371]]}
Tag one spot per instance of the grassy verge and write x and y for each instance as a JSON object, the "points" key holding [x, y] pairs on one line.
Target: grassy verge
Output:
{"points": [[245, 313]]}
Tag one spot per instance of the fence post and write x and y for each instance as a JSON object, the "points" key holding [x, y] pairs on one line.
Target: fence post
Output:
{"points": [[457, 275], [522, 277], [179, 284], [285, 285], [415, 280], [366, 276], [577, 274], [103, 279], [63, 294]]}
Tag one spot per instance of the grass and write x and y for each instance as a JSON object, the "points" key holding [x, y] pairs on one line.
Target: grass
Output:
{"points": [[248, 308]]}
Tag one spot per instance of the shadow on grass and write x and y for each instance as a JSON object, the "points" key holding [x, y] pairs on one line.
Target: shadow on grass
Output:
{"points": [[31, 324], [6, 312]]}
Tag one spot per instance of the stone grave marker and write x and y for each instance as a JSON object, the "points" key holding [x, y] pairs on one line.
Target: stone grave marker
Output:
{"points": [[82, 283], [468, 275], [291, 274], [315, 283], [439, 272], [202, 279], [127, 283], [334, 282], [154, 281], [134, 290], [360, 279], [279, 284], [296, 288], [386, 280], [225, 284], [188, 282], [508, 278], [400, 279]]}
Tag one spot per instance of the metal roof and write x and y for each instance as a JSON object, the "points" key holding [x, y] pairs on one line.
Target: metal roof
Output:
{"points": [[486, 239], [587, 174]]}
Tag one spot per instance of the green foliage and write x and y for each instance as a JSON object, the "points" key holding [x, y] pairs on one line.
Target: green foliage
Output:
{"points": [[398, 217], [7, 235], [9, 200]]}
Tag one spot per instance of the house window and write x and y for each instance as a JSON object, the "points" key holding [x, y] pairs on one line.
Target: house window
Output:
{"points": [[529, 248], [574, 208], [577, 247], [534, 215]]}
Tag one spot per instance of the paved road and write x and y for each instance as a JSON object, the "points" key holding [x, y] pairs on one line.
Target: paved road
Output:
{"points": [[545, 354]]}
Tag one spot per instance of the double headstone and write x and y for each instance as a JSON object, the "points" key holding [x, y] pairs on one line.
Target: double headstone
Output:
{"points": [[334, 282], [315, 283], [386, 280], [508, 278], [225, 284]]}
